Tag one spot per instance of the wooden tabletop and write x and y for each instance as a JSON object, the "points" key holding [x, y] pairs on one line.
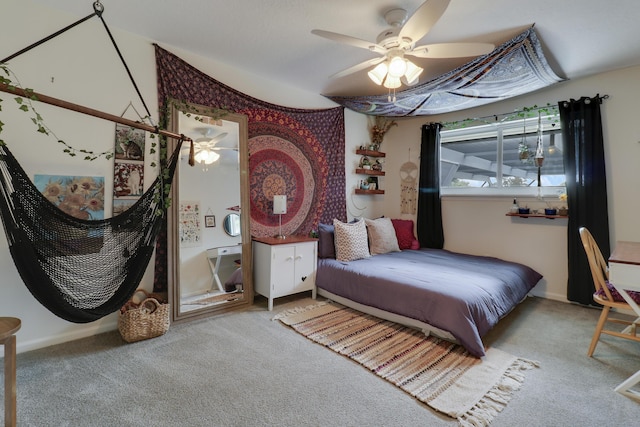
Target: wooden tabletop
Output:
{"points": [[626, 253], [8, 327], [294, 238]]}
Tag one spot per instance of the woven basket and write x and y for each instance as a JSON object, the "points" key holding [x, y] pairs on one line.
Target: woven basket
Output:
{"points": [[144, 320]]}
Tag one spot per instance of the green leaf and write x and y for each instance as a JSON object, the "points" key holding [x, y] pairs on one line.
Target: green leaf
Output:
{"points": [[24, 107]]}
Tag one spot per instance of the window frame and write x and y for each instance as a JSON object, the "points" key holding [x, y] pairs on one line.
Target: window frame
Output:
{"points": [[499, 130]]}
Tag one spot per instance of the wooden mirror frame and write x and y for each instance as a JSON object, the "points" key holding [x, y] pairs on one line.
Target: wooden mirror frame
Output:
{"points": [[173, 238]]}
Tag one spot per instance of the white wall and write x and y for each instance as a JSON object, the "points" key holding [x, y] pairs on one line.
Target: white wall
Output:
{"points": [[82, 67], [479, 225]]}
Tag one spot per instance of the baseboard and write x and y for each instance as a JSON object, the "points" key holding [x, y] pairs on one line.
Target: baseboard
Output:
{"points": [[84, 332]]}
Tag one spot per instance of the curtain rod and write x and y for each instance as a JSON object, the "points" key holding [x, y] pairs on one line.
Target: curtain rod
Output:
{"points": [[524, 110], [88, 111]]}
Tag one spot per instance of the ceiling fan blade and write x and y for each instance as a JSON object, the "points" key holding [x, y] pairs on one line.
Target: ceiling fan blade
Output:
{"points": [[218, 138], [341, 38], [451, 50], [358, 67], [425, 17]]}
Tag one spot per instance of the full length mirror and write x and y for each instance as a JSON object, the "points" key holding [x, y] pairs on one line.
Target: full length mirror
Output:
{"points": [[209, 250]]}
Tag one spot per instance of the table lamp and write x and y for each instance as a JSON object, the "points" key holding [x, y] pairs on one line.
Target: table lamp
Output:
{"points": [[279, 208]]}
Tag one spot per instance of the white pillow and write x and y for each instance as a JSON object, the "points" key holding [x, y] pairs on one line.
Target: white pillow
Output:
{"points": [[382, 236], [351, 240]]}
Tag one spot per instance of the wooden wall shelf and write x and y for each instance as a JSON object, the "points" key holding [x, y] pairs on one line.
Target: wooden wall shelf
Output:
{"points": [[371, 153], [361, 191], [369, 172], [536, 215]]}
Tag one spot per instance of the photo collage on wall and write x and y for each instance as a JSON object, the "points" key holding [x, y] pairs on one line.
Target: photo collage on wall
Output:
{"points": [[128, 184]]}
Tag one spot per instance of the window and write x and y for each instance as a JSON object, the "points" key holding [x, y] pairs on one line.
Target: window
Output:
{"points": [[499, 158]]}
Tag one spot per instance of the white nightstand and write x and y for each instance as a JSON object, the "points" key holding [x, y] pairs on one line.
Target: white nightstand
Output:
{"points": [[284, 266]]}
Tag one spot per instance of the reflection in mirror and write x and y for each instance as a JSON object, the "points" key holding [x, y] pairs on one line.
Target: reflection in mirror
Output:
{"points": [[231, 224], [210, 265]]}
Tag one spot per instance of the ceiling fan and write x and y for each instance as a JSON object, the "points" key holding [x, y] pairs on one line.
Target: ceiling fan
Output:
{"points": [[392, 69], [205, 147]]}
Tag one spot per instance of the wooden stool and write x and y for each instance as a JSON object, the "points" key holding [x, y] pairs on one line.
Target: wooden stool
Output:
{"points": [[8, 327]]}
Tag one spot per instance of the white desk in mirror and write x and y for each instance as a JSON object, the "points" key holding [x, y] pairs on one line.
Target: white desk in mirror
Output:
{"points": [[224, 261]]}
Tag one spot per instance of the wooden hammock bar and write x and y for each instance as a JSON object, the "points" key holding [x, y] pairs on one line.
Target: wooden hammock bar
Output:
{"points": [[88, 111]]}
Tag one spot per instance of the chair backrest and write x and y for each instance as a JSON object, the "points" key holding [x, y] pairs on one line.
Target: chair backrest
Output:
{"points": [[597, 264]]}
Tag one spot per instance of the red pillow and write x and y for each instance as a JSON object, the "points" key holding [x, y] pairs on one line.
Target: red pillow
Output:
{"points": [[404, 233]]}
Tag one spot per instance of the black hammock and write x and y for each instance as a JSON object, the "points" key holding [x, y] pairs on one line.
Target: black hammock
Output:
{"points": [[81, 270]]}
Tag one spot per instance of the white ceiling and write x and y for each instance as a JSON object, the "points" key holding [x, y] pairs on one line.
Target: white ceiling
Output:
{"points": [[273, 38]]}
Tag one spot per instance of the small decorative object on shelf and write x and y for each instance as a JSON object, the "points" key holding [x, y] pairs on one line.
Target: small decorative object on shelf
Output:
{"points": [[365, 163], [514, 207], [563, 211], [550, 211]]}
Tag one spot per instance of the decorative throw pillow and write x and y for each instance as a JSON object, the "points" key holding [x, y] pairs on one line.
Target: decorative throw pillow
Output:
{"points": [[326, 244], [351, 240], [382, 236], [404, 233], [635, 296]]}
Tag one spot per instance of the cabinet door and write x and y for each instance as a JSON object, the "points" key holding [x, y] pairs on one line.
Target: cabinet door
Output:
{"points": [[305, 261], [282, 270]]}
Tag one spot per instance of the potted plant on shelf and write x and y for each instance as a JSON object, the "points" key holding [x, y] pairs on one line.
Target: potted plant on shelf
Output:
{"points": [[365, 163], [564, 211], [379, 128]]}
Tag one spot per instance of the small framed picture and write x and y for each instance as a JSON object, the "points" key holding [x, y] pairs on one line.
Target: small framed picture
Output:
{"points": [[209, 221]]}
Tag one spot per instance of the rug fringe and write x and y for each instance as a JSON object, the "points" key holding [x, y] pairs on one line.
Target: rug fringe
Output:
{"points": [[297, 310], [497, 398]]}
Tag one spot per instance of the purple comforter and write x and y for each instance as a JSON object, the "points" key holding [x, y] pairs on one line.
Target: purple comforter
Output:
{"points": [[463, 294]]}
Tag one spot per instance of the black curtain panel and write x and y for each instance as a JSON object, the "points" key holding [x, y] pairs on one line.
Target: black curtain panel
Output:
{"points": [[429, 219], [584, 166]]}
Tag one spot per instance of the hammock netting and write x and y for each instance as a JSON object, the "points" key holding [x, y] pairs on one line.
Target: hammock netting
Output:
{"points": [[81, 270]]}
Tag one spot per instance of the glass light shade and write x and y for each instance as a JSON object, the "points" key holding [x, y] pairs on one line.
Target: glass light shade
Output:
{"points": [[378, 73], [397, 67], [412, 73], [392, 82], [206, 156]]}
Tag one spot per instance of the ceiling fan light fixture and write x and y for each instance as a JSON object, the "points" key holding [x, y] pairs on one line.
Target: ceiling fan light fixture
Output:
{"points": [[397, 67], [392, 82], [206, 156], [412, 73], [378, 73]]}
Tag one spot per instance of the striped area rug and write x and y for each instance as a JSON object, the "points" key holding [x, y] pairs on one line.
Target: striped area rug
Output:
{"points": [[437, 372]]}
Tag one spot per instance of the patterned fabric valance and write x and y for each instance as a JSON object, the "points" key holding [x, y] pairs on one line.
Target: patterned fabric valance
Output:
{"points": [[515, 68]]}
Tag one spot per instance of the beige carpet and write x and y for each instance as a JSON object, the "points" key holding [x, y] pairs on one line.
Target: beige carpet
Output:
{"points": [[437, 372]]}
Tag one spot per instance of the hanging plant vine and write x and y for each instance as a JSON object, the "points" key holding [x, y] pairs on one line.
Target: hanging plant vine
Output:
{"points": [[524, 112]]}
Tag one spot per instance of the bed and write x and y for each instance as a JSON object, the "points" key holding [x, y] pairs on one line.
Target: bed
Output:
{"points": [[456, 296]]}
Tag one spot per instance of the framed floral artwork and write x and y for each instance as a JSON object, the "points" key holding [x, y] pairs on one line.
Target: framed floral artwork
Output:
{"points": [[79, 196]]}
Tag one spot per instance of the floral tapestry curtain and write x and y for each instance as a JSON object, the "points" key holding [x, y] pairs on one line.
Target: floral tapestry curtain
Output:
{"points": [[514, 68], [300, 150], [584, 165]]}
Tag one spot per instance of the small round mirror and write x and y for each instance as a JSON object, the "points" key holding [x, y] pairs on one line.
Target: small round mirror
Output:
{"points": [[231, 224]]}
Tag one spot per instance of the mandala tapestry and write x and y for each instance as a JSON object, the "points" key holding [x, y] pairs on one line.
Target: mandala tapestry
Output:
{"points": [[514, 68], [296, 152]]}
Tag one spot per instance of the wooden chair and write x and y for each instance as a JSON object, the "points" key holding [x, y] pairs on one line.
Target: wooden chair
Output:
{"points": [[8, 327], [604, 295]]}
